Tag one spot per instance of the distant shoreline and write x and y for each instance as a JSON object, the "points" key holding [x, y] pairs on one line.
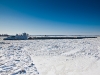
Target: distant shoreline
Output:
{"points": [[34, 37]]}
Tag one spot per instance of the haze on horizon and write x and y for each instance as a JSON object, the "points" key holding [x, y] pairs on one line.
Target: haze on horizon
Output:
{"points": [[50, 17]]}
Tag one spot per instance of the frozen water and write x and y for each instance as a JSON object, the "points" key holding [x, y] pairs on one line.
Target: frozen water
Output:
{"points": [[50, 57], [14, 60]]}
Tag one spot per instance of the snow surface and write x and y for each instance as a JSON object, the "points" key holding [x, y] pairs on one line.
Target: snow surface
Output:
{"points": [[50, 57]]}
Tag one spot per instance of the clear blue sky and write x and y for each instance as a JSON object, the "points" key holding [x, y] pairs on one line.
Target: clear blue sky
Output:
{"points": [[50, 17]]}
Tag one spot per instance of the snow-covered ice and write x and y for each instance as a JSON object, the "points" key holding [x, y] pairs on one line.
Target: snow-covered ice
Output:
{"points": [[50, 57], [14, 60]]}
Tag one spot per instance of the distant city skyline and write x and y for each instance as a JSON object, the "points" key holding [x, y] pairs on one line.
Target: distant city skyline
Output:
{"points": [[50, 17]]}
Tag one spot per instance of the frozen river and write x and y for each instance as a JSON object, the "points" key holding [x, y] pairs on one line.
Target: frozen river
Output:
{"points": [[50, 57]]}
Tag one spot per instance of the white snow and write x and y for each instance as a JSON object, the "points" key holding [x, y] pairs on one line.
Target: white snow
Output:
{"points": [[50, 57], [58, 66]]}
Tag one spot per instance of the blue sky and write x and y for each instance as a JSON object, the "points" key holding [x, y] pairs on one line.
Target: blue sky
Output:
{"points": [[50, 17]]}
